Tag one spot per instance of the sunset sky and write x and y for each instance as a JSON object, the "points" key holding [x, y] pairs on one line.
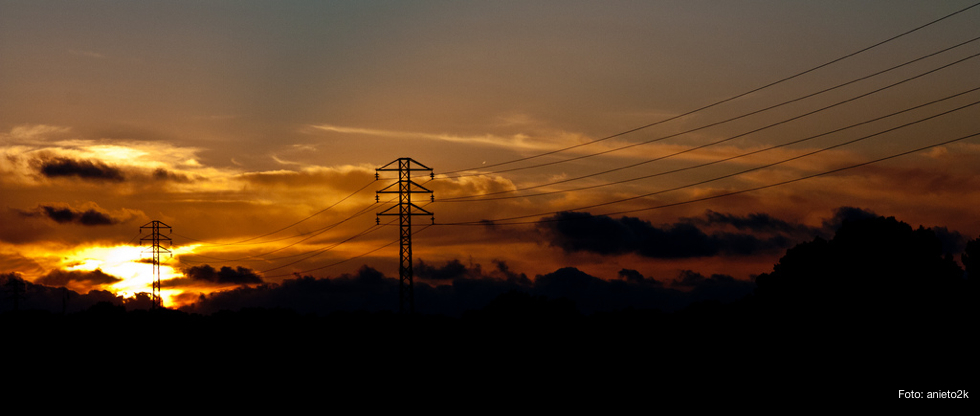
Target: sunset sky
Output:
{"points": [[231, 121]]}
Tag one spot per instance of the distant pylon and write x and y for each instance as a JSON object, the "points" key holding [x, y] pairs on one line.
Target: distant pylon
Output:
{"points": [[16, 286], [155, 238], [406, 209]]}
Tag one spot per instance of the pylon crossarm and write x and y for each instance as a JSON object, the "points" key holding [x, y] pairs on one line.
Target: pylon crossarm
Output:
{"points": [[420, 211], [406, 192], [423, 211], [397, 162], [410, 161], [159, 224], [158, 238], [386, 191], [422, 189], [385, 212], [157, 249]]}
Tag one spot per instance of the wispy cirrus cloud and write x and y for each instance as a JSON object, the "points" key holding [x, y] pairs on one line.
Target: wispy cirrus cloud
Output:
{"points": [[514, 141], [87, 54]]}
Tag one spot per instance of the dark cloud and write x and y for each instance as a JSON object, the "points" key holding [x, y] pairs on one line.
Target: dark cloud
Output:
{"points": [[83, 169], [60, 278], [60, 215], [87, 217], [189, 297], [831, 225], [765, 223], [67, 215], [579, 231], [701, 236], [453, 269], [754, 222], [227, 275], [161, 174]]}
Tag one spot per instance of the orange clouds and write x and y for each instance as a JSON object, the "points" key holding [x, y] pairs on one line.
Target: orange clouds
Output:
{"points": [[259, 143]]}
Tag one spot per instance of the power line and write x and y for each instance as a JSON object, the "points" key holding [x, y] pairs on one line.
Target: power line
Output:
{"points": [[338, 262], [406, 187], [369, 230], [751, 113], [583, 144], [317, 232], [771, 84], [690, 201], [131, 240], [799, 179], [461, 198], [241, 242], [357, 256], [352, 257], [505, 221]]}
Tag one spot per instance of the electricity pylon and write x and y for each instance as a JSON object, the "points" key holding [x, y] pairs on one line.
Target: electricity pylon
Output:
{"points": [[155, 238], [406, 210]]}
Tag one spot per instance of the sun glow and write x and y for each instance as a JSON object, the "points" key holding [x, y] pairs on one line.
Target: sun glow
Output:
{"points": [[132, 264]]}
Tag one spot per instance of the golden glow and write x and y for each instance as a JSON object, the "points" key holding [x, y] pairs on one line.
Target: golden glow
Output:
{"points": [[132, 264], [117, 154], [200, 139]]}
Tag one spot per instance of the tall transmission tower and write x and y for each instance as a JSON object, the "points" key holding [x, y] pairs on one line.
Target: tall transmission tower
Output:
{"points": [[155, 238], [405, 211]]}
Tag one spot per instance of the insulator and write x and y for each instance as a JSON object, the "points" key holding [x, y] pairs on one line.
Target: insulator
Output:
{"points": [[377, 198], [432, 175], [376, 176], [377, 221], [432, 198]]}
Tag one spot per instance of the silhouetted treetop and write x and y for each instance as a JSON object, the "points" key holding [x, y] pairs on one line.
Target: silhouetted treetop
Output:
{"points": [[868, 262], [971, 259]]}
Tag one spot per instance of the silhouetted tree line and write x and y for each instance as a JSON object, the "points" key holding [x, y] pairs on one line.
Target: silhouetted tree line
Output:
{"points": [[879, 300], [872, 270]]}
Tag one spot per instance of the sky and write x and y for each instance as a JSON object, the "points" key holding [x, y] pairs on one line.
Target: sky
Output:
{"points": [[254, 129]]}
